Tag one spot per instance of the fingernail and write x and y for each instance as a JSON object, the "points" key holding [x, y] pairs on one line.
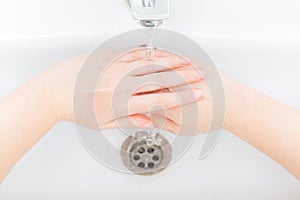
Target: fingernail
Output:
{"points": [[186, 61], [195, 75], [200, 74], [142, 122], [198, 93]]}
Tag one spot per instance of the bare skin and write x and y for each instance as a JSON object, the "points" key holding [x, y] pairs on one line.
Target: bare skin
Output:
{"points": [[270, 126], [27, 113]]}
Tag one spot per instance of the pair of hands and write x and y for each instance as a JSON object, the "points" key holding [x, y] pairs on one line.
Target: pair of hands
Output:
{"points": [[165, 86], [118, 99], [121, 100], [176, 98]]}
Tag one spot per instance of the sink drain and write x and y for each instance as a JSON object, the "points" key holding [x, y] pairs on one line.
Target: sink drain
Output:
{"points": [[146, 156]]}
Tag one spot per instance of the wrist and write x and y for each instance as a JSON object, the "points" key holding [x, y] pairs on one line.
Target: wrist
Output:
{"points": [[243, 107], [237, 98], [41, 97]]}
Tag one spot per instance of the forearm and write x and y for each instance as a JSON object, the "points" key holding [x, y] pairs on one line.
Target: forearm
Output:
{"points": [[25, 116], [270, 126]]}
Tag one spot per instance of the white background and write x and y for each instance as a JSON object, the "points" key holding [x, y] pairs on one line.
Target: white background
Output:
{"points": [[255, 42]]}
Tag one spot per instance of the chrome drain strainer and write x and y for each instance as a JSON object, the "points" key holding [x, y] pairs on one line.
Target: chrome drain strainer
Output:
{"points": [[146, 155]]}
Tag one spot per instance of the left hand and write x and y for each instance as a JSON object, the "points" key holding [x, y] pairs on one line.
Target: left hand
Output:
{"points": [[59, 82]]}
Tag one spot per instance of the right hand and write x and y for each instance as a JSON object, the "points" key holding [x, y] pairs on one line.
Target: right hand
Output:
{"points": [[200, 113]]}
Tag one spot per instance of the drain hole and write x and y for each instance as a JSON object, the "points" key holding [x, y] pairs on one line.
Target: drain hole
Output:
{"points": [[136, 157], [141, 165], [155, 158], [144, 158], [150, 164], [151, 150], [141, 150]]}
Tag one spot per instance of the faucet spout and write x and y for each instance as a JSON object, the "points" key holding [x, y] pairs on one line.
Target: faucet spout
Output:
{"points": [[149, 3], [150, 13]]}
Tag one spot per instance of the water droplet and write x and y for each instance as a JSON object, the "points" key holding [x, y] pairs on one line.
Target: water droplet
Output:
{"points": [[149, 54], [150, 46]]}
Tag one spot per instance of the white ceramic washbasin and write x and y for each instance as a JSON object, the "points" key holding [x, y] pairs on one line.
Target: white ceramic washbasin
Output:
{"points": [[250, 49]]}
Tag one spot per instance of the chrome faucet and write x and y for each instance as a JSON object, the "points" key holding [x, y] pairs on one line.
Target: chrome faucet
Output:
{"points": [[150, 13]]}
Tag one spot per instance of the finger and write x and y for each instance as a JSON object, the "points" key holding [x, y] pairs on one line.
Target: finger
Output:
{"points": [[132, 121], [197, 85], [139, 65], [142, 54], [171, 79], [164, 123], [145, 66], [142, 121], [145, 103]]}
